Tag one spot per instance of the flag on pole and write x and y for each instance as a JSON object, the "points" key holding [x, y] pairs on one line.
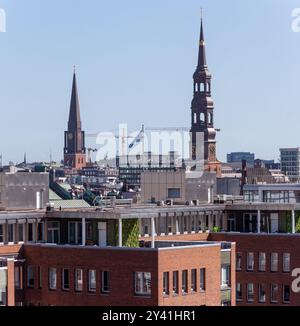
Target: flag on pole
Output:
{"points": [[137, 139]]}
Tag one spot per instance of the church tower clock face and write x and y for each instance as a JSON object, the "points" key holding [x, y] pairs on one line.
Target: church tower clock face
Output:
{"points": [[70, 136]]}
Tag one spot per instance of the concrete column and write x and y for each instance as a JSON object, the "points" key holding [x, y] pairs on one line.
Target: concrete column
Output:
{"points": [[83, 232], [293, 222], [120, 233], [177, 224], [153, 232], [258, 220]]}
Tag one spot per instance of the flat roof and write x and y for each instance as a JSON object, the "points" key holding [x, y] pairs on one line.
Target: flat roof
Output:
{"points": [[159, 246], [145, 211]]}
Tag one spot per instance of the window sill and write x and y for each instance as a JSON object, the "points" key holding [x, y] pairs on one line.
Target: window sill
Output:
{"points": [[144, 296]]}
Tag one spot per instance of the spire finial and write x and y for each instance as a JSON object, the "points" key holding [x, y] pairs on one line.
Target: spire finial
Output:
{"points": [[74, 69], [201, 13]]}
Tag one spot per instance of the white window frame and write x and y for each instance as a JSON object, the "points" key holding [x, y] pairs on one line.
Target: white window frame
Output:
{"points": [[286, 268], [13, 226], [239, 258], [273, 260], [51, 229], [78, 279], [241, 291], [52, 278], [250, 268], [225, 276], [262, 267], [252, 299], [77, 224], [92, 284], [145, 277], [23, 232], [261, 288]]}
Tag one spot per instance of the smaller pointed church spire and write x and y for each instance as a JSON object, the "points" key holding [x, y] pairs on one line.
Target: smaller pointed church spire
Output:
{"points": [[74, 116]]}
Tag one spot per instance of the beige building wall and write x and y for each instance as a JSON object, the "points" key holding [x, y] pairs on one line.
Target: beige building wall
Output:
{"points": [[157, 184]]}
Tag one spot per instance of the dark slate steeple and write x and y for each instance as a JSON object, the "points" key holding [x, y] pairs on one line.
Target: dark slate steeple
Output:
{"points": [[74, 151], [74, 116], [202, 55]]}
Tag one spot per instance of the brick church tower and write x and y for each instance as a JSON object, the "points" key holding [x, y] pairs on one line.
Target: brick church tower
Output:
{"points": [[203, 111], [74, 151]]}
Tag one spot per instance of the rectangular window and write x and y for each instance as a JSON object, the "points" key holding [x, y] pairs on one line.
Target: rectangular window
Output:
{"points": [[17, 277], [175, 282], [286, 262], [40, 232], [92, 280], [250, 292], [262, 262], [53, 232], [66, 280], [286, 293], [31, 232], [239, 261], [202, 279], [239, 293], [40, 280], [11, 233], [30, 276], [166, 290], [184, 288], [143, 284], [78, 280], [2, 233], [274, 262], [274, 293], [105, 282], [250, 261], [173, 193], [21, 232], [194, 280], [52, 278], [262, 293], [75, 233], [225, 276]]}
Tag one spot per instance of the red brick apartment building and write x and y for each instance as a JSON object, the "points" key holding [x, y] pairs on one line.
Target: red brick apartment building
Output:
{"points": [[186, 255], [67, 259]]}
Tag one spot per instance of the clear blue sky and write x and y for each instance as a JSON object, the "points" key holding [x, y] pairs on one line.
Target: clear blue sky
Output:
{"points": [[135, 62]]}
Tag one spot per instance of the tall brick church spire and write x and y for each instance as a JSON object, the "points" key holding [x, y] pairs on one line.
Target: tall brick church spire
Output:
{"points": [[74, 151], [203, 109]]}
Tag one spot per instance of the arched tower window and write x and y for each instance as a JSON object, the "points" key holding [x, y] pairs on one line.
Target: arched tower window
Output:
{"points": [[202, 117], [201, 87], [208, 87], [195, 118]]}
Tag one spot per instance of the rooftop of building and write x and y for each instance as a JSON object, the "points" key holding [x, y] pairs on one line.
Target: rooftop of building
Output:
{"points": [[158, 246]]}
